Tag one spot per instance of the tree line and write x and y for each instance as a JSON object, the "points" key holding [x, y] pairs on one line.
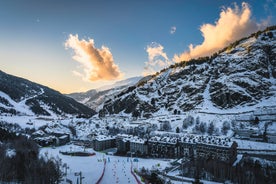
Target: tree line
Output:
{"points": [[20, 161], [249, 170]]}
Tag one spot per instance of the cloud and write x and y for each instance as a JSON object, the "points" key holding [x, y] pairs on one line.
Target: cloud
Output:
{"points": [[233, 24], [157, 59], [78, 74], [173, 29], [97, 64]]}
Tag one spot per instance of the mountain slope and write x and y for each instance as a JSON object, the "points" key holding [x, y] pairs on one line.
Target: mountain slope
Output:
{"points": [[20, 96], [241, 76], [96, 97]]}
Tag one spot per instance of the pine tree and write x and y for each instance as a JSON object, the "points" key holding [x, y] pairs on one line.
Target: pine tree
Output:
{"points": [[211, 128], [177, 130], [152, 102]]}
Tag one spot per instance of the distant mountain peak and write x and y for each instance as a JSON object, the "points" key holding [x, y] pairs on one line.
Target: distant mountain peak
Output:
{"points": [[125, 82], [95, 98]]}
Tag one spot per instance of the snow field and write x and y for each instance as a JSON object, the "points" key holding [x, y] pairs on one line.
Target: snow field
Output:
{"points": [[118, 169]]}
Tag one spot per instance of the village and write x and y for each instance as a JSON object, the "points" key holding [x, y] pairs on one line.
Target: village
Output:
{"points": [[140, 138]]}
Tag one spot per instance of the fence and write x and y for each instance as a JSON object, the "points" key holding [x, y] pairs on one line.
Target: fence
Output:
{"points": [[100, 179]]}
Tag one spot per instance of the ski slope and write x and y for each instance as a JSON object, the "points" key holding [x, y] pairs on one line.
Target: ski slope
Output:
{"points": [[118, 169]]}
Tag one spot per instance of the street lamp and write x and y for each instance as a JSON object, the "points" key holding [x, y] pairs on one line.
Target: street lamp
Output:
{"points": [[65, 166], [80, 175], [182, 164]]}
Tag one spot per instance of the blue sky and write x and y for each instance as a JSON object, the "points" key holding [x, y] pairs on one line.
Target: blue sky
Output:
{"points": [[33, 35]]}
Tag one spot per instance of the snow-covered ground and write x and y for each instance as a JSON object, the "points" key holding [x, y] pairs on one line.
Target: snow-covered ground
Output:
{"points": [[19, 106], [118, 169]]}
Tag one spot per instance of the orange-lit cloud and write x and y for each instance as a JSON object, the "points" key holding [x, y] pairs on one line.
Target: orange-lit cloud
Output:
{"points": [[233, 24], [157, 59], [97, 63]]}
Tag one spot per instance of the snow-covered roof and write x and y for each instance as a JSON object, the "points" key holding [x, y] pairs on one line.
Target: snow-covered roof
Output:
{"points": [[56, 128], [49, 138], [194, 139], [137, 140], [39, 133], [63, 137], [165, 139], [123, 136], [208, 140], [104, 137]]}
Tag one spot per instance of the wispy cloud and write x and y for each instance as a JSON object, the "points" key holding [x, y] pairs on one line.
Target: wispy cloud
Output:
{"points": [[233, 24], [157, 59], [173, 29], [96, 63], [78, 74]]}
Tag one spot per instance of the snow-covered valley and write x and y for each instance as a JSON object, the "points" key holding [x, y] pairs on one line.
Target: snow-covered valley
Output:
{"points": [[210, 119]]}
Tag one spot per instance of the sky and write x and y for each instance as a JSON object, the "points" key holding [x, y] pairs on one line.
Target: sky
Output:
{"points": [[74, 46]]}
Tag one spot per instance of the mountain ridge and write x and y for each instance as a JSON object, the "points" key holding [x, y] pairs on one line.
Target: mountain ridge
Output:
{"points": [[21, 96], [239, 76]]}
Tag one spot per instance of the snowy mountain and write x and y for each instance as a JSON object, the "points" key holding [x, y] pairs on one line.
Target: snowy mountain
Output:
{"points": [[127, 82], [20, 96], [238, 78], [95, 98]]}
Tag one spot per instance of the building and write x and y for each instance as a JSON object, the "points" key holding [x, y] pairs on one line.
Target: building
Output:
{"points": [[216, 148], [171, 146], [187, 146], [163, 147], [270, 132], [62, 140], [123, 143], [193, 146], [271, 136], [50, 139], [208, 147], [102, 142], [133, 144], [46, 140], [252, 134], [139, 146]]}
